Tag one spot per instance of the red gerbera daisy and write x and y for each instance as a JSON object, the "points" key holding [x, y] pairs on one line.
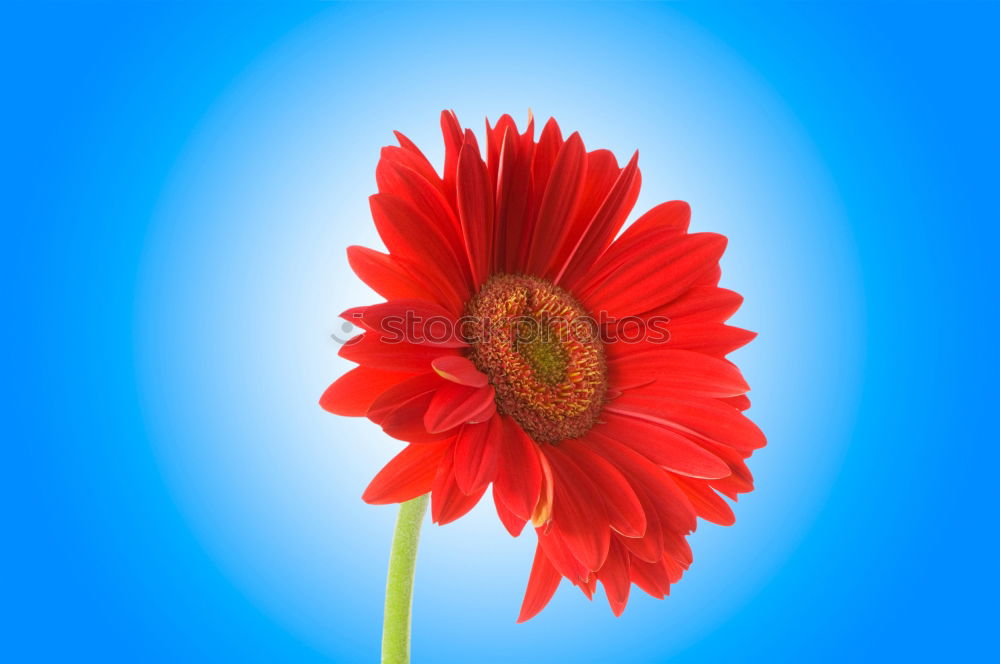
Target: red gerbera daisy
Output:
{"points": [[524, 344]]}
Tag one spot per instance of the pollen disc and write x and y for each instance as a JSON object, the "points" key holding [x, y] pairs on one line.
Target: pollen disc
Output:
{"points": [[542, 353]]}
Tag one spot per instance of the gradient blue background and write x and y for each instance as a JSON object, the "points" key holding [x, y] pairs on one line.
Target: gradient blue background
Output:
{"points": [[180, 182]]}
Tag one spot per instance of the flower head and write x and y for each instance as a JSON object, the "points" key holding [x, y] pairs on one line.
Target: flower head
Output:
{"points": [[527, 346]]}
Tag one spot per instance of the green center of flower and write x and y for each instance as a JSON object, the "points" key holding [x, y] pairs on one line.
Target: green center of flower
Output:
{"points": [[541, 352], [548, 358]]}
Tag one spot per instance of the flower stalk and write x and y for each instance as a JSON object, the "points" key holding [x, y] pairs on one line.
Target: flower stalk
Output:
{"points": [[399, 584]]}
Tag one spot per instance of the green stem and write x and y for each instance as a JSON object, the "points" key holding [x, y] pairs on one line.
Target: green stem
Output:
{"points": [[399, 585]]}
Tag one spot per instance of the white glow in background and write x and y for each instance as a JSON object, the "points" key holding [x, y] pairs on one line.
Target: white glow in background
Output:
{"points": [[245, 275]]}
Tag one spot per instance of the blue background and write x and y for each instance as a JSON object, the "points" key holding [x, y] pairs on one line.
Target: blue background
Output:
{"points": [[180, 182]]}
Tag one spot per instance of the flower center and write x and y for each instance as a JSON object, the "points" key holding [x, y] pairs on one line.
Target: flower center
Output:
{"points": [[542, 353]]}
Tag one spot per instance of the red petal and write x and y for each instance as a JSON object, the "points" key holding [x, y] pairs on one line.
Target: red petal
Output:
{"points": [[649, 547], [713, 339], [559, 554], [623, 507], [664, 447], [400, 393], [614, 575], [424, 191], [542, 585], [513, 523], [687, 371], [519, 474], [475, 208], [602, 173], [558, 205], [452, 132], [513, 188], [708, 504], [651, 577], [459, 370], [588, 586], [602, 227], [578, 510], [406, 422], [663, 224], [739, 402], [677, 549], [705, 418], [671, 505], [662, 270], [454, 405], [543, 156], [353, 393], [674, 570], [732, 486], [495, 137], [492, 151], [476, 455], [710, 277], [408, 233], [448, 502], [672, 216], [409, 474], [430, 200], [372, 351], [393, 158], [702, 304], [546, 151], [542, 514], [409, 156], [735, 459], [410, 320], [386, 276]]}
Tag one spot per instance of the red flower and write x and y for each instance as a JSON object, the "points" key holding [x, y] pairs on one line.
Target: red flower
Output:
{"points": [[523, 346]]}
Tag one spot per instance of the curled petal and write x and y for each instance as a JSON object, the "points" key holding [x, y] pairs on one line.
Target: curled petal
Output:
{"points": [[454, 405], [459, 370]]}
